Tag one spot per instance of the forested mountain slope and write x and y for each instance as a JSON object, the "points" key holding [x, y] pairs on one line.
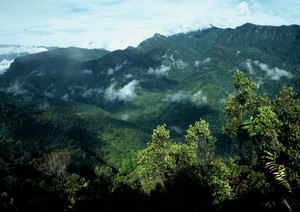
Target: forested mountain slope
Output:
{"points": [[174, 80], [75, 124]]}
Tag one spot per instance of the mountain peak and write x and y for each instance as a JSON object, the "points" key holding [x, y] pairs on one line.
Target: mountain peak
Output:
{"points": [[157, 35]]}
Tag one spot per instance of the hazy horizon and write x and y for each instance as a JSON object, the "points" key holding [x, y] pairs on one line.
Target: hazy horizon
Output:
{"points": [[117, 24]]}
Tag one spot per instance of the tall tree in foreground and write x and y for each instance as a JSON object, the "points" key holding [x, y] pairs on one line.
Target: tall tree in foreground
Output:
{"points": [[162, 160], [270, 129], [264, 173]]}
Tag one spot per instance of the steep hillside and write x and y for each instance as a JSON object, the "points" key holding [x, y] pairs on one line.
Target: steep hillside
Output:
{"points": [[76, 127], [173, 80]]}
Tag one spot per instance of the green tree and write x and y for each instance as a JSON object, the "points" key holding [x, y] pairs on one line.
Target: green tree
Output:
{"points": [[239, 108], [70, 187], [272, 127], [162, 160], [267, 164], [287, 109], [57, 162], [200, 138]]}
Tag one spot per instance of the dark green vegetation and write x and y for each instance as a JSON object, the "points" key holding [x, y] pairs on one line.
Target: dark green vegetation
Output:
{"points": [[75, 123]]}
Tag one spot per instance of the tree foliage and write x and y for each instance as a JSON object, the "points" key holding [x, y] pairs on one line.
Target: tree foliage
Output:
{"points": [[36, 170], [199, 136], [270, 126], [162, 160]]}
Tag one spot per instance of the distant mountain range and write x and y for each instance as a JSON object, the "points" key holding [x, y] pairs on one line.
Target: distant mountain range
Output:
{"points": [[173, 80], [9, 52]]}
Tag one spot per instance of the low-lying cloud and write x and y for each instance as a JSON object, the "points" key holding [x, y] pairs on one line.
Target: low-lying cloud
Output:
{"points": [[16, 89], [169, 60], [88, 72], [199, 97], [183, 96], [176, 129], [180, 96], [126, 93], [4, 65], [118, 67], [66, 97], [273, 73], [159, 71], [36, 73], [128, 76], [125, 116], [92, 92], [249, 66], [201, 62], [16, 49]]}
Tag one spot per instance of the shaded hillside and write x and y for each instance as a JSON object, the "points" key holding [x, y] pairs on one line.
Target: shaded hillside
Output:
{"points": [[163, 75], [75, 125]]}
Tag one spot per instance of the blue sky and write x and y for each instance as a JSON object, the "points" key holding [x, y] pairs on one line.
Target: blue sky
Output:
{"points": [[116, 24]]}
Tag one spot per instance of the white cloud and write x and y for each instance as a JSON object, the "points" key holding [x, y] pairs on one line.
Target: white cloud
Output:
{"points": [[249, 66], [206, 60], [273, 73], [110, 71], [118, 67], [199, 97], [169, 60], [243, 8], [49, 94], [125, 117], [88, 72], [36, 73], [128, 76], [223, 101], [125, 93], [159, 71], [4, 65], [65, 97], [197, 63], [118, 24], [180, 96], [180, 64], [183, 96], [16, 89], [15, 49], [176, 129], [201, 62], [92, 92]]}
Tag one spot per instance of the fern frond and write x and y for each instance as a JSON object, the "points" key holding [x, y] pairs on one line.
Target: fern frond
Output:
{"points": [[277, 170]]}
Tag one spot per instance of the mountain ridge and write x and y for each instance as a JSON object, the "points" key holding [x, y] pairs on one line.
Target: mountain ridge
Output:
{"points": [[173, 79]]}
